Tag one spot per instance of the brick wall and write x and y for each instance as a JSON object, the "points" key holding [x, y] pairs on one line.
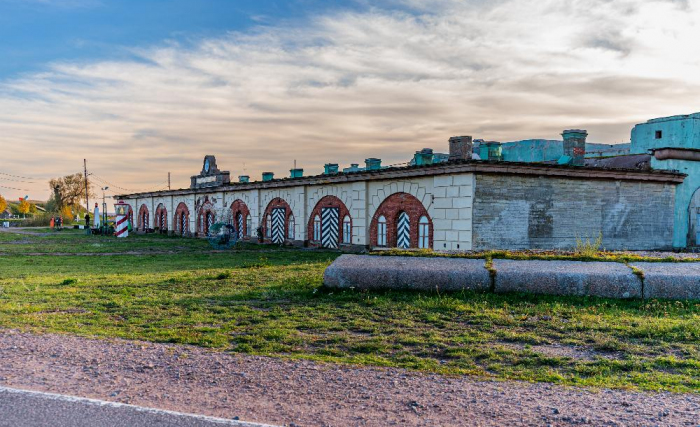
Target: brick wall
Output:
{"points": [[520, 212]]}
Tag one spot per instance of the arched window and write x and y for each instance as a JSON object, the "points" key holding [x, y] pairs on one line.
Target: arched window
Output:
{"points": [[183, 223], [290, 227], [317, 228], [381, 231], [268, 226], [347, 230], [163, 224], [248, 225], [424, 233], [210, 222], [403, 231]]}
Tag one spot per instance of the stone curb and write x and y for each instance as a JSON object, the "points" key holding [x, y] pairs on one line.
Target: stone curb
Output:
{"points": [[670, 280], [389, 272], [602, 279]]}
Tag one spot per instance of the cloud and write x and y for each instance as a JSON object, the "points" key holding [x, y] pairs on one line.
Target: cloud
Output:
{"points": [[340, 87]]}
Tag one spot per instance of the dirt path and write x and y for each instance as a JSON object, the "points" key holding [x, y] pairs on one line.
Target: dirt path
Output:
{"points": [[305, 393]]}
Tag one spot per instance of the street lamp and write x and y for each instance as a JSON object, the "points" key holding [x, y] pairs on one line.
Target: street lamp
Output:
{"points": [[104, 207]]}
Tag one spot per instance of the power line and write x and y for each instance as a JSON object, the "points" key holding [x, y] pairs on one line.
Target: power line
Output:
{"points": [[13, 188], [16, 176]]}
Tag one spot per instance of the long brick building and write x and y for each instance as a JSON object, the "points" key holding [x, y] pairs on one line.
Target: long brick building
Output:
{"points": [[443, 202]]}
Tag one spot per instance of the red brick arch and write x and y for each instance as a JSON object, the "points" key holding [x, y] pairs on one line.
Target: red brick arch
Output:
{"points": [[391, 208], [160, 219], [239, 207], [181, 212], [143, 218], [277, 202], [328, 202], [205, 211]]}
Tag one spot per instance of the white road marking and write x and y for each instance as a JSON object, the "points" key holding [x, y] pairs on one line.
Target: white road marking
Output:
{"points": [[97, 402]]}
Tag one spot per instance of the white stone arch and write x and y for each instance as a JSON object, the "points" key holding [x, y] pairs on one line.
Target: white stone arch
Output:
{"points": [[421, 189]]}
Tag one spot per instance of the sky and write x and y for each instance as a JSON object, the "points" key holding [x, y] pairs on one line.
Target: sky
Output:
{"points": [[143, 88]]}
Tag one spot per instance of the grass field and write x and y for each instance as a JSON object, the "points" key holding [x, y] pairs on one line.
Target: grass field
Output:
{"points": [[270, 301]]}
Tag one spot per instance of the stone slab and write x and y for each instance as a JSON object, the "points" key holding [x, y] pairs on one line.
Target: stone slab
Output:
{"points": [[603, 279], [400, 273], [670, 280]]}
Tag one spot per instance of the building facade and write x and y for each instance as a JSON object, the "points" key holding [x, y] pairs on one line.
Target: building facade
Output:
{"points": [[458, 204]]}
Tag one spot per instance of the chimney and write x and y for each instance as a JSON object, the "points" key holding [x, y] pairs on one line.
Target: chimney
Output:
{"points": [[460, 148], [575, 145], [373, 164], [268, 176], [296, 173], [330, 169], [494, 151], [243, 178], [423, 157]]}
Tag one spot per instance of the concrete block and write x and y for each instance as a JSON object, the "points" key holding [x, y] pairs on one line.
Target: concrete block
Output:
{"points": [[442, 181], [670, 280], [461, 225], [465, 179], [442, 224], [466, 191], [462, 202], [440, 192], [442, 203], [451, 213], [603, 279], [453, 191], [385, 272], [439, 214]]}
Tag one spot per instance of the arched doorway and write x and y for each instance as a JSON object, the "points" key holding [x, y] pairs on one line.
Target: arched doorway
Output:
{"points": [[161, 219], [401, 221], [329, 223], [143, 218], [240, 215], [277, 215], [206, 217], [181, 220]]}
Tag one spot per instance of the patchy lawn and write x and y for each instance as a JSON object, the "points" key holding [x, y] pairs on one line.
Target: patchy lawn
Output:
{"points": [[270, 301]]}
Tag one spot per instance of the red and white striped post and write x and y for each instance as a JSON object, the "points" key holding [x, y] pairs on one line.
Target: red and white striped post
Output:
{"points": [[122, 220]]}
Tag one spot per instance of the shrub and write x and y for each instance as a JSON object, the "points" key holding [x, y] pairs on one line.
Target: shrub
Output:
{"points": [[589, 248]]}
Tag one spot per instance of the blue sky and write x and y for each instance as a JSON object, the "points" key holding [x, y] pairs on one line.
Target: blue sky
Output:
{"points": [[143, 88], [36, 32]]}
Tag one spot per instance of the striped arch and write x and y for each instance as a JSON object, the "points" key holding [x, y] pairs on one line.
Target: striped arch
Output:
{"points": [[239, 215], [160, 220], [143, 218], [206, 217], [332, 212], [276, 221], [407, 222], [181, 220]]}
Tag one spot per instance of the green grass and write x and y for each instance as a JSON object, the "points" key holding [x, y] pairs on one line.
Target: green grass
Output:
{"points": [[270, 301]]}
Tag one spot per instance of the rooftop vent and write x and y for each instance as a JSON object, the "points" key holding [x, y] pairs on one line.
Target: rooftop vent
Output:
{"points": [[296, 173], [268, 176], [243, 178], [373, 164], [330, 168], [424, 157]]}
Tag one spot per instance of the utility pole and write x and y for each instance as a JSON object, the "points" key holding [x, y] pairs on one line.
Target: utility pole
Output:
{"points": [[168, 181], [87, 194]]}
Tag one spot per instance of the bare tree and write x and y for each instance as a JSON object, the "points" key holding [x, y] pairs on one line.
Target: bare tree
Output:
{"points": [[69, 191]]}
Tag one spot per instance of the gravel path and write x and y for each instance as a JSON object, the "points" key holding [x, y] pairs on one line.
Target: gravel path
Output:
{"points": [[304, 393]]}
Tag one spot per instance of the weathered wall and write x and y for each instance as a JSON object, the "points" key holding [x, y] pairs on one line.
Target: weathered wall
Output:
{"points": [[520, 212], [676, 131], [685, 212]]}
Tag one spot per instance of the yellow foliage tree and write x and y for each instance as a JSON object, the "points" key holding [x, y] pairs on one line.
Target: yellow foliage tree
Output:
{"points": [[32, 208], [23, 207], [66, 214], [3, 204]]}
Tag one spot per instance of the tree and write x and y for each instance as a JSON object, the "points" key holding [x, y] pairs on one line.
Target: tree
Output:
{"points": [[3, 204], [23, 207], [68, 191], [32, 208]]}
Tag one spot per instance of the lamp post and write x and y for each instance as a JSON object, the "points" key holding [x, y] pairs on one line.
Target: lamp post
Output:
{"points": [[104, 207]]}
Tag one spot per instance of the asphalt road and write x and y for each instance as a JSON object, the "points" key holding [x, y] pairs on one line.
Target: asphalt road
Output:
{"points": [[20, 408]]}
